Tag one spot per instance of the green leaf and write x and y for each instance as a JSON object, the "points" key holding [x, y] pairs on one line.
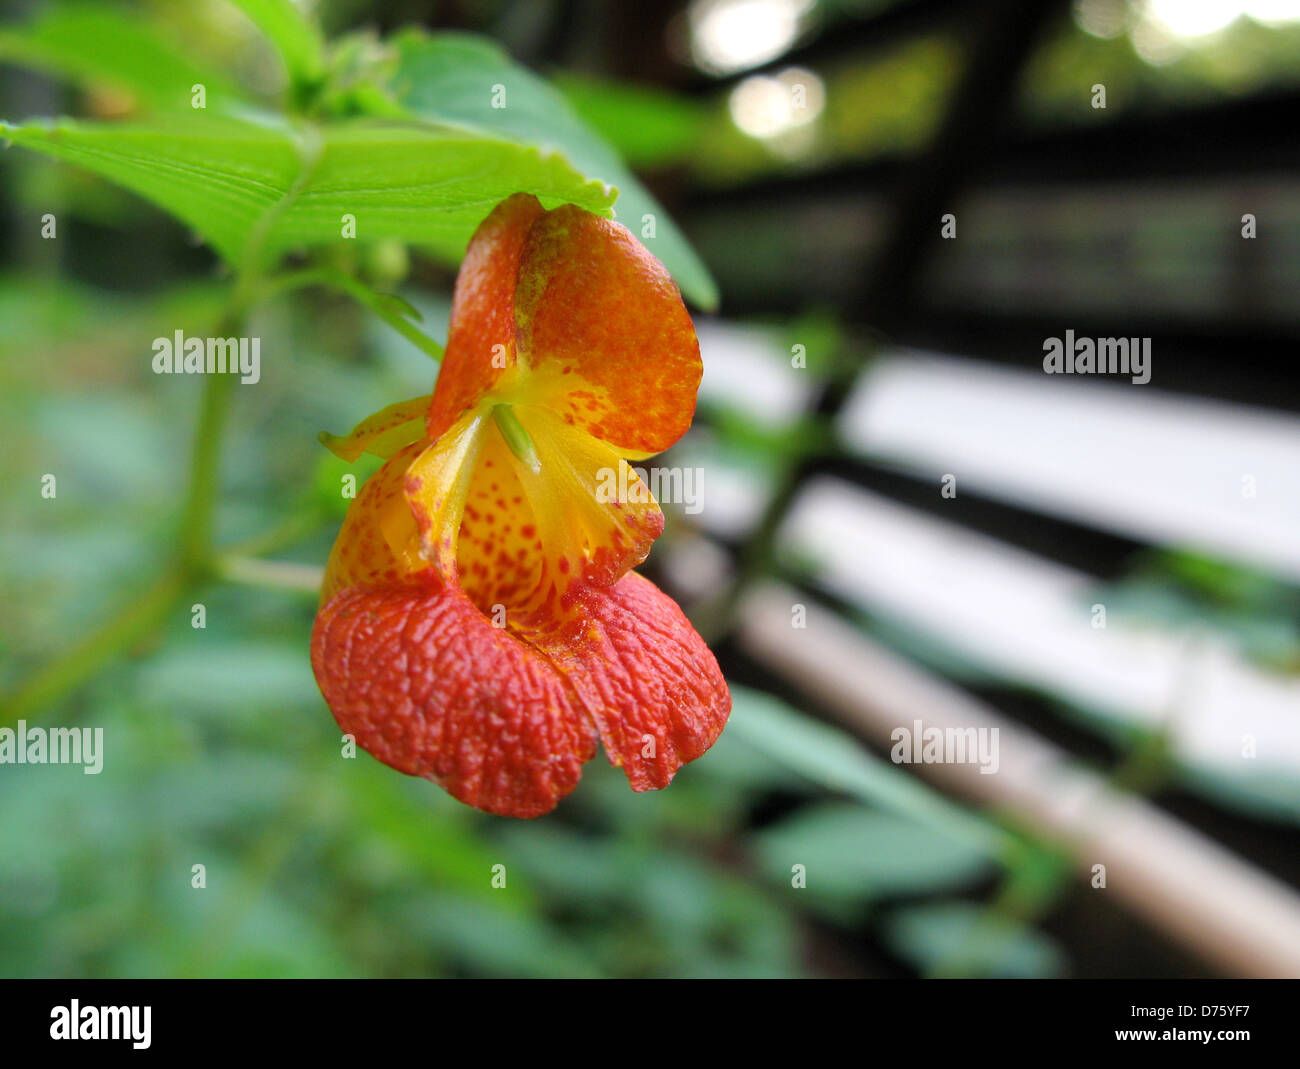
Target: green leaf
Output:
{"points": [[297, 39], [257, 190], [852, 854], [94, 45], [457, 78], [492, 942], [837, 762], [962, 937], [648, 127]]}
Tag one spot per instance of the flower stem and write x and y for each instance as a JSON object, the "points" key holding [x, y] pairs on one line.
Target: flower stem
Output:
{"points": [[286, 575]]}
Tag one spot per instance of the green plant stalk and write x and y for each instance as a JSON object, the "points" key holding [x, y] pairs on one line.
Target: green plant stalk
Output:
{"points": [[295, 527], [759, 556], [88, 655], [189, 570], [278, 574], [379, 303], [199, 519], [715, 618], [196, 561], [1025, 895]]}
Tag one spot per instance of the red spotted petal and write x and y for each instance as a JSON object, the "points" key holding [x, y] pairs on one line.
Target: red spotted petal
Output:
{"points": [[403, 523], [465, 508], [378, 542], [521, 538], [648, 680], [483, 312], [427, 685], [595, 518], [604, 334], [500, 559]]}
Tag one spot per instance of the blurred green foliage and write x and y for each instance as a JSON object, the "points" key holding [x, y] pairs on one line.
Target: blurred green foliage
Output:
{"points": [[1243, 57], [219, 749]]}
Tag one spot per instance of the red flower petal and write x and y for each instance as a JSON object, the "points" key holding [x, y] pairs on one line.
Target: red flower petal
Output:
{"points": [[595, 320], [648, 680], [378, 542], [483, 311], [604, 333], [428, 686], [570, 322]]}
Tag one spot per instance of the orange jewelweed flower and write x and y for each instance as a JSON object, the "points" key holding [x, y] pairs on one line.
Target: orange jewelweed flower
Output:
{"points": [[480, 624]]}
